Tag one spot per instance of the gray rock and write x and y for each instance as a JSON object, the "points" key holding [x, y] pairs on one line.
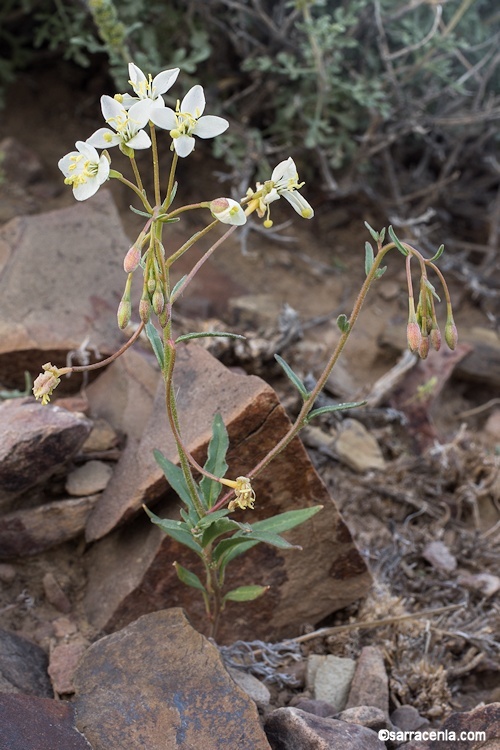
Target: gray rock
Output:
{"points": [[330, 677], [159, 684], [408, 718], [356, 447], [367, 716], [254, 688], [23, 666], [293, 729], [35, 441], [55, 594], [31, 723], [88, 479], [314, 706]]}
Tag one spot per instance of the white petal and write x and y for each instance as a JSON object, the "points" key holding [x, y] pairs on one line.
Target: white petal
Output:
{"points": [[103, 170], [86, 189], [128, 100], [139, 112], [65, 163], [164, 80], [299, 203], [104, 138], [136, 74], [163, 117], [285, 169], [140, 140], [272, 196], [209, 126], [88, 151], [194, 101], [183, 145], [111, 108]]}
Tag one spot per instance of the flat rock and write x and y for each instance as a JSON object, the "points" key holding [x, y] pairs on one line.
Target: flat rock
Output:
{"points": [[35, 441], [23, 667], [330, 678], [88, 479], [357, 447], [305, 585], [68, 298], [30, 723], [291, 729], [370, 685], [254, 688], [159, 684], [32, 530], [367, 716], [63, 661], [483, 719]]}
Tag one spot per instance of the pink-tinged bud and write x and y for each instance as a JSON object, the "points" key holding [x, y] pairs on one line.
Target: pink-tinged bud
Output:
{"points": [[151, 284], [132, 259], [124, 313], [435, 339], [414, 336], [423, 349], [145, 310], [451, 333], [158, 302]]}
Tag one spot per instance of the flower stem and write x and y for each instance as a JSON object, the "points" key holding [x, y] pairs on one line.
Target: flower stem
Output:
{"points": [[104, 362]]}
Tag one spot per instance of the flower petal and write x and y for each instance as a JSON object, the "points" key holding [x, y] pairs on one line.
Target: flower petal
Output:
{"points": [[209, 126], [285, 169], [88, 151], [111, 108], [86, 189], [299, 203], [127, 100], [103, 170], [136, 74], [140, 140], [139, 112], [104, 138], [183, 145], [194, 101], [164, 80], [164, 117]]}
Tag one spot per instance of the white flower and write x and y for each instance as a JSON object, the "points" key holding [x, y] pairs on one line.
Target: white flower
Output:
{"points": [[147, 89], [84, 170], [228, 211], [187, 121], [127, 126], [285, 179]]}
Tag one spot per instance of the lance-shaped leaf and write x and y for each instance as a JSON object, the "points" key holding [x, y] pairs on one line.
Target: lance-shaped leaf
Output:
{"points": [[380, 272], [397, 242], [292, 376], [208, 334], [439, 253], [333, 407], [178, 286], [156, 342], [178, 530], [175, 477], [189, 578], [216, 461], [245, 593], [369, 258], [375, 235]]}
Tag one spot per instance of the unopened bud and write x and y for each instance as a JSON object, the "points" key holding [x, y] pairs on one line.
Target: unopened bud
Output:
{"points": [[158, 301], [151, 284], [435, 339], [145, 309], [132, 259], [413, 336], [423, 349], [124, 313], [451, 333]]}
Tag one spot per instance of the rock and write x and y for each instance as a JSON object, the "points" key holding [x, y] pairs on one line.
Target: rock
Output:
{"points": [[486, 583], [15, 153], [103, 437], [293, 729], [483, 722], [7, 573], [313, 706], [367, 716], [255, 311], [54, 593], [30, 531], [159, 684], [305, 585], [330, 677], [29, 723], [35, 441], [408, 719], [88, 479], [68, 296], [254, 688], [23, 666], [439, 556], [370, 685], [63, 661], [356, 447]]}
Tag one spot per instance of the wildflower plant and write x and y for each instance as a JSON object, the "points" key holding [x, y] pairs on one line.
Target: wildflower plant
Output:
{"points": [[209, 498]]}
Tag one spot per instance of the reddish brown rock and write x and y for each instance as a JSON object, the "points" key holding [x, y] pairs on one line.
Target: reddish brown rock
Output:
{"points": [[35, 441], [30, 531], [63, 662], [305, 585], [63, 269], [55, 594], [29, 723], [370, 685], [159, 684], [478, 729]]}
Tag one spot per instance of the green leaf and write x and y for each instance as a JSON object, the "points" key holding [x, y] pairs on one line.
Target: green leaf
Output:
{"points": [[178, 286], [245, 593], [397, 242], [175, 477], [369, 257], [381, 234], [333, 407], [343, 323], [189, 578], [217, 529], [297, 382], [137, 211], [375, 235], [431, 289], [380, 272], [208, 334], [177, 530], [438, 254], [156, 343], [216, 461]]}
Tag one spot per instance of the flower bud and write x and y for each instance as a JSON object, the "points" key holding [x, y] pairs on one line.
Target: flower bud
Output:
{"points": [[413, 336], [151, 284], [145, 309], [435, 338], [158, 301], [451, 333], [423, 349], [123, 314], [132, 259]]}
